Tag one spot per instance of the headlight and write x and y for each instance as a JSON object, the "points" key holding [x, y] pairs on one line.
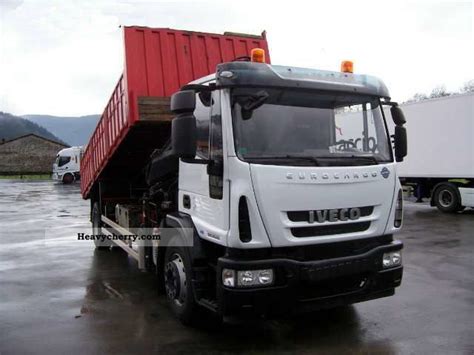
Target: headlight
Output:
{"points": [[247, 278], [397, 222], [394, 258]]}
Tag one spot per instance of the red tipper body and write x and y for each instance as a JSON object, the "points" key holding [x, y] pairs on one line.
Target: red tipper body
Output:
{"points": [[136, 119]]}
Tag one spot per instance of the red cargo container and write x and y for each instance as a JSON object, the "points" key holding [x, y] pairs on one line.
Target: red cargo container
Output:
{"points": [[136, 120]]}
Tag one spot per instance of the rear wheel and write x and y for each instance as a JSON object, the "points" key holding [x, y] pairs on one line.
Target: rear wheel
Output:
{"points": [[178, 283], [97, 228], [447, 198], [68, 178]]}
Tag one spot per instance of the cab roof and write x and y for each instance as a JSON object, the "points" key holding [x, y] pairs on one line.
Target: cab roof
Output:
{"points": [[249, 74]]}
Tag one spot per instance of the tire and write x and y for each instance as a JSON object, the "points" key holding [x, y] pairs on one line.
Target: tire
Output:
{"points": [[97, 228], [447, 198], [178, 286], [68, 178]]}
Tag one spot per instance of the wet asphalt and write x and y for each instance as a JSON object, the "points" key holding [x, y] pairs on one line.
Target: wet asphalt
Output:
{"points": [[59, 295]]}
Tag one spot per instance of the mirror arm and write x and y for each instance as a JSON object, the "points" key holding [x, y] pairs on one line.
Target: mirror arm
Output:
{"points": [[213, 166], [199, 88], [389, 103], [196, 161]]}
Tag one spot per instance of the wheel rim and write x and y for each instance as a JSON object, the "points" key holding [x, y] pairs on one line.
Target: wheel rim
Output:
{"points": [[446, 198], [175, 280]]}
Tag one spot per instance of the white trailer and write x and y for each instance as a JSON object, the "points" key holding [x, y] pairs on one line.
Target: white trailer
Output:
{"points": [[66, 167], [440, 163]]}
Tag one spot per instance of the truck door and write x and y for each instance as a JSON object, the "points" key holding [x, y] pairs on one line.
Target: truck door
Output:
{"points": [[203, 191]]}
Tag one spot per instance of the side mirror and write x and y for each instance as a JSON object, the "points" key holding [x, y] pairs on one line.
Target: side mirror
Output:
{"points": [[183, 126], [183, 102], [400, 143], [397, 116]]}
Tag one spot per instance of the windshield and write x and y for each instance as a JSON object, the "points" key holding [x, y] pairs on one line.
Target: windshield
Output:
{"points": [[62, 160], [303, 127]]}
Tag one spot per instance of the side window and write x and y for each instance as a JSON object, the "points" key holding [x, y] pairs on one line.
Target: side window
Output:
{"points": [[63, 161], [202, 114]]}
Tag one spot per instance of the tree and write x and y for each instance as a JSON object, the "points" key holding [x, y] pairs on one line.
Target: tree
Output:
{"points": [[439, 91], [417, 97], [468, 86]]}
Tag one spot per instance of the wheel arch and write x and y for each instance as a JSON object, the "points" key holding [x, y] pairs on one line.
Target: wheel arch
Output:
{"points": [[182, 222]]}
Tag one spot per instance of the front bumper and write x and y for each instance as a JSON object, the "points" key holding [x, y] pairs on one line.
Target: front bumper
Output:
{"points": [[304, 286]]}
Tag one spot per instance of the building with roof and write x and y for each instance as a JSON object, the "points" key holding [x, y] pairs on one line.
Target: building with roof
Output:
{"points": [[28, 154]]}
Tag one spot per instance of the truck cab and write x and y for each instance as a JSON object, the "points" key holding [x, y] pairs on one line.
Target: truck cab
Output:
{"points": [[67, 165], [292, 173]]}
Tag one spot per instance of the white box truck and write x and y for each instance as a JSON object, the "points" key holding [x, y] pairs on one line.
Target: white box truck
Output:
{"points": [[440, 164]]}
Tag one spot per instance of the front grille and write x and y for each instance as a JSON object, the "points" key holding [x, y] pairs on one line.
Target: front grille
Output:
{"points": [[303, 216], [331, 229]]}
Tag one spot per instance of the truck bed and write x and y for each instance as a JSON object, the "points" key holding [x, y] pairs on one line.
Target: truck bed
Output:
{"points": [[136, 120]]}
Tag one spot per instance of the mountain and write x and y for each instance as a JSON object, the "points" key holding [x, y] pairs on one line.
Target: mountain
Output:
{"points": [[13, 126], [72, 130]]}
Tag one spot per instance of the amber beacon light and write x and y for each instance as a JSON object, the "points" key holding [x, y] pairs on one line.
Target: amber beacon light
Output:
{"points": [[347, 66], [257, 55]]}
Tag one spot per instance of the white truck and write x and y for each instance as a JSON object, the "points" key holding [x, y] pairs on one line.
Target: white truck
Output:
{"points": [[66, 167], [440, 165], [260, 204]]}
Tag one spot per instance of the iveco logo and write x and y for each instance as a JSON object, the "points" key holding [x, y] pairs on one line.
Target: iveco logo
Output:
{"points": [[385, 172], [334, 215]]}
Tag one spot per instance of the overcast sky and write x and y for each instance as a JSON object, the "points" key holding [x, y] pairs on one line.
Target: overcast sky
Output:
{"points": [[64, 57]]}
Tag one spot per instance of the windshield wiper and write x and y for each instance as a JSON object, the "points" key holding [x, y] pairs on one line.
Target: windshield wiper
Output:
{"points": [[370, 158], [311, 159], [367, 158]]}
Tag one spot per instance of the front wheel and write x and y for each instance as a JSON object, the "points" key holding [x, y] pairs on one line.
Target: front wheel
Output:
{"points": [[447, 199], [68, 178], [178, 283]]}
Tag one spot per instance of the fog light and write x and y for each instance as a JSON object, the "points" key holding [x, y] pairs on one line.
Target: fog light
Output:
{"points": [[248, 278], [228, 277], [392, 259]]}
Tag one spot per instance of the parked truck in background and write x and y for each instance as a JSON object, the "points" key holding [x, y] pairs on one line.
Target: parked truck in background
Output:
{"points": [[440, 165], [285, 216], [66, 167]]}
